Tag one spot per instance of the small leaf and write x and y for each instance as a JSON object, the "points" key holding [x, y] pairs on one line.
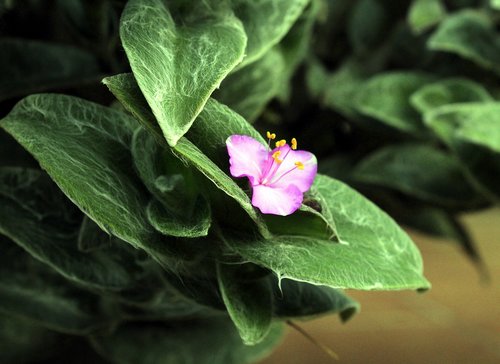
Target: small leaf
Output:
{"points": [[424, 14], [294, 299], [471, 35], [421, 171], [448, 91], [375, 253], [385, 97], [248, 303], [32, 66], [367, 25], [189, 342], [179, 63]]}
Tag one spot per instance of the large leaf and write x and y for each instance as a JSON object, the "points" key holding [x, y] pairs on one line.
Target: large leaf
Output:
{"points": [[248, 90], [213, 126], [179, 63], [31, 66], [375, 253], [32, 291], [473, 132], [421, 171], [448, 91], [469, 34], [248, 303], [209, 341], [85, 148], [298, 300], [38, 217], [385, 97], [266, 22]]}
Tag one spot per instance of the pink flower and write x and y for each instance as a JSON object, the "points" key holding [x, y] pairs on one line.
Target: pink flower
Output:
{"points": [[278, 177]]}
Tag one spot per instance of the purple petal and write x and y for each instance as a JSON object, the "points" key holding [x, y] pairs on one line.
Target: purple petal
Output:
{"points": [[288, 174], [247, 157], [277, 201]]}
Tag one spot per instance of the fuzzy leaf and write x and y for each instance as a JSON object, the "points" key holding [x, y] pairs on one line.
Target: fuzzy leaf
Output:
{"points": [[424, 14], [179, 62]]}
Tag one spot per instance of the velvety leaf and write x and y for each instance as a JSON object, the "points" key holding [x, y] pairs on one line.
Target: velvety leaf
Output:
{"points": [[248, 303], [266, 22], [37, 216], [91, 237], [85, 148], [298, 300], [33, 66], [473, 132], [189, 342], [248, 90], [178, 63], [213, 126], [424, 14], [385, 97], [448, 91], [31, 291], [471, 35], [374, 254], [421, 171]]}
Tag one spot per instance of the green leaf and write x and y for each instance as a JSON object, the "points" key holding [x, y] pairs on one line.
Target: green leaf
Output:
{"points": [[189, 342], [179, 62], [248, 303], [471, 35], [213, 126], [30, 291], [266, 22], [300, 300], [472, 131], [385, 97], [420, 171], [448, 91], [32, 66], [495, 4], [91, 237], [248, 90], [424, 14], [37, 216], [84, 147], [367, 25], [374, 254]]}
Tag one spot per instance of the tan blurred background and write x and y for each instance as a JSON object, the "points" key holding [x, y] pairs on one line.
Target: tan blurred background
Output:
{"points": [[457, 321]]}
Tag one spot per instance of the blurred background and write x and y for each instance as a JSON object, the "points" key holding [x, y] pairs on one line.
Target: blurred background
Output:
{"points": [[457, 321]]}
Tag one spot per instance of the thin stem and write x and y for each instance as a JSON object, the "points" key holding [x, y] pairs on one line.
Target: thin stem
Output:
{"points": [[322, 346]]}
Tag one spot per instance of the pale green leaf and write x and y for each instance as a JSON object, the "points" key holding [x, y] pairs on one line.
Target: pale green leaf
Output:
{"points": [[179, 62], [374, 254], [424, 14], [448, 91]]}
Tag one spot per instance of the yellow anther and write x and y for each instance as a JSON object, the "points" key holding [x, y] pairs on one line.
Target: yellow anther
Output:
{"points": [[294, 143], [280, 143], [299, 165], [271, 135], [276, 156]]}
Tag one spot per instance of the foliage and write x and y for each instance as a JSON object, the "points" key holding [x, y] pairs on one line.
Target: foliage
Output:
{"points": [[122, 233]]}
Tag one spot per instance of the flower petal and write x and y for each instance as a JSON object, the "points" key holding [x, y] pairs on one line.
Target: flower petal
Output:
{"points": [[277, 201], [248, 157], [288, 174]]}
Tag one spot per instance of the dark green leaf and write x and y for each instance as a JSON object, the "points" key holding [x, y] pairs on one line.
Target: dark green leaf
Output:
{"points": [[32, 66], [471, 35], [179, 63], [209, 341], [421, 171], [367, 25], [248, 303]]}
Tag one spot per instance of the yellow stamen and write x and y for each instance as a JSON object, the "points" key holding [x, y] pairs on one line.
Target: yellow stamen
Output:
{"points": [[276, 156], [299, 165], [271, 135], [294, 143], [280, 143]]}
